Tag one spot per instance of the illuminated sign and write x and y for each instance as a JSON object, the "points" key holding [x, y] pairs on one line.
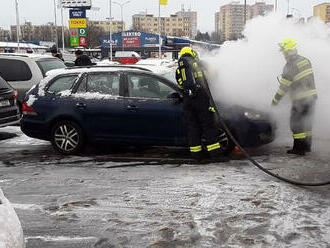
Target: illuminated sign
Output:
{"points": [[78, 23]]}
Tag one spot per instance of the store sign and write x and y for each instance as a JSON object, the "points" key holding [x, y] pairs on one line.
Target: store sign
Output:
{"points": [[78, 23], [74, 41], [82, 32], [76, 3], [130, 34], [131, 41], [83, 41], [74, 32], [77, 13]]}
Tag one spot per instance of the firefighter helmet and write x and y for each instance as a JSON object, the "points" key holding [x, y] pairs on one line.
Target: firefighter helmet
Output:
{"points": [[288, 45], [188, 51]]}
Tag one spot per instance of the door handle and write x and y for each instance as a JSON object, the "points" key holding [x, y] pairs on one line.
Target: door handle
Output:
{"points": [[81, 105], [132, 108]]}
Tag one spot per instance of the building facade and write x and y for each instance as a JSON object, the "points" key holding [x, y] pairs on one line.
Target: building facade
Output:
{"points": [[30, 32], [229, 21], [117, 26], [4, 34], [193, 20], [173, 25], [322, 11]]}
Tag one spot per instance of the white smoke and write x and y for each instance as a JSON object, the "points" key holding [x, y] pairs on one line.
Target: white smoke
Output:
{"points": [[244, 72]]}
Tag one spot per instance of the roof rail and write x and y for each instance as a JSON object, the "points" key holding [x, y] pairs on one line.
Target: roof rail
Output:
{"points": [[111, 66]]}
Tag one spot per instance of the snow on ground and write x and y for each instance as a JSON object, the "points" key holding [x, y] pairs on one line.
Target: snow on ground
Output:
{"points": [[77, 202], [11, 233]]}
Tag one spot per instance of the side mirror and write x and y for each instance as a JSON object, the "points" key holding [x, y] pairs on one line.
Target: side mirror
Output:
{"points": [[175, 97]]}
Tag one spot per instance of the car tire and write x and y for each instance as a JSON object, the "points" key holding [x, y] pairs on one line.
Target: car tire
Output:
{"points": [[67, 137], [227, 145]]}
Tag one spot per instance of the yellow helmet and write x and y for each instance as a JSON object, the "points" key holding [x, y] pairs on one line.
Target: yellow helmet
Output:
{"points": [[288, 45], [188, 51]]}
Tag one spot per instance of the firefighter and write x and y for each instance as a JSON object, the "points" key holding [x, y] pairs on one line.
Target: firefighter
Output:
{"points": [[198, 114], [298, 80]]}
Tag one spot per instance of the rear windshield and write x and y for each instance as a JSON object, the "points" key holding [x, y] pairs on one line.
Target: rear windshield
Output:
{"points": [[50, 64], [14, 70]]}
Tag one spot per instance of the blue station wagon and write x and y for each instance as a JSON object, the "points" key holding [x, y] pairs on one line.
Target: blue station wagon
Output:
{"points": [[121, 105]]}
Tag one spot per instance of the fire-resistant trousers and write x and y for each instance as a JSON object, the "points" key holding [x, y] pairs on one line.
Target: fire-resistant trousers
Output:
{"points": [[200, 122]]}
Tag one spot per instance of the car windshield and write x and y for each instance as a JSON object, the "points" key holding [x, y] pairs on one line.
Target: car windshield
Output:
{"points": [[50, 64]]}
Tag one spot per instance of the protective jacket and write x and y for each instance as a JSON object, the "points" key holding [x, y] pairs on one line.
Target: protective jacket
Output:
{"points": [[298, 80], [82, 60], [189, 75]]}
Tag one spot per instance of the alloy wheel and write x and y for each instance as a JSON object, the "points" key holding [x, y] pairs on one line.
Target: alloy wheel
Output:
{"points": [[66, 137]]}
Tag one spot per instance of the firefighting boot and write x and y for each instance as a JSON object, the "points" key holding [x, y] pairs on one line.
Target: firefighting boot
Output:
{"points": [[216, 156], [308, 144], [298, 148], [196, 155]]}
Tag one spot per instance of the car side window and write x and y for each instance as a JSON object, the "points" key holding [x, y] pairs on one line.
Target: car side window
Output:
{"points": [[103, 83], [147, 87], [62, 84]]}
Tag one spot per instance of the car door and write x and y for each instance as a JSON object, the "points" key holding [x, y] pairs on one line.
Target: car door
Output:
{"points": [[153, 117], [101, 106]]}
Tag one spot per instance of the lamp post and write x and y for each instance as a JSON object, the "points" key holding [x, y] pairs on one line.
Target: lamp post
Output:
{"points": [[110, 31], [55, 17], [122, 17], [17, 24], [244, 12]]}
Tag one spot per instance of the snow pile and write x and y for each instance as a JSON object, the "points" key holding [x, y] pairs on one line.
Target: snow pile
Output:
{"points": [[244, 72], [11, 233]]}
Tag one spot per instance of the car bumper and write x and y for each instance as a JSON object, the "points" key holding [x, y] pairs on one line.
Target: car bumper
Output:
{"points": [[9, 116], [35, 129]]}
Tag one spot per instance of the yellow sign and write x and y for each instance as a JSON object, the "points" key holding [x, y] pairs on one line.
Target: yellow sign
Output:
{"points": [[78, 23], [163, 2]]}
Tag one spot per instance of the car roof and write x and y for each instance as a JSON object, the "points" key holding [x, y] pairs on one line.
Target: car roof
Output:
{"points": [[26, 55], [96, 68]]}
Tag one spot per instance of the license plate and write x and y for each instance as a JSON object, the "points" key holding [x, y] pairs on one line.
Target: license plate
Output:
{"points": [[4, 103]]}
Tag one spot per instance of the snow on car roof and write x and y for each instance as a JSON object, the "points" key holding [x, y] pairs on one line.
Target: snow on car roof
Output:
{"points": [[27, 55]]}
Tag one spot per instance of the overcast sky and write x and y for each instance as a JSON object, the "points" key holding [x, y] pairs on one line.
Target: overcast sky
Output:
{"points": [[42, 11]]}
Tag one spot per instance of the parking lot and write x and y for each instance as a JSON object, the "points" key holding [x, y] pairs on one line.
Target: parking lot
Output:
{"points": [[117, 199]]}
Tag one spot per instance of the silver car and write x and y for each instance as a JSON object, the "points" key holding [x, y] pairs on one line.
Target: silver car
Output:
{"points": [[22, 71]]}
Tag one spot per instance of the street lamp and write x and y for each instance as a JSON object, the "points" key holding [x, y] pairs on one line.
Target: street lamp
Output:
{"points": [[110, 31], [121, 11], [122, 20], [17, 24]]}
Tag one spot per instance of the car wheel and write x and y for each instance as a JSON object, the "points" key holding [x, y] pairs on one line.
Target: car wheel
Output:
{"points": [[67, 137], [227, 145]]}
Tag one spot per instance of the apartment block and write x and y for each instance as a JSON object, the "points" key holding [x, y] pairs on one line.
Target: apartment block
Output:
{"points": [[230, 20], [322, 11], [4, 34], [116, 27], [174, 25], [193, 20]]}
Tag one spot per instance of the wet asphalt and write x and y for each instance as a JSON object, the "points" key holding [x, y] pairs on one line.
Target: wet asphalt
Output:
{"points": [[121, 197]]}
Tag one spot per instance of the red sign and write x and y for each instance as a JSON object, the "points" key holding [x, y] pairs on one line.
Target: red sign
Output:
{"points": [[83, 41], [74, 32], [131, 41]]}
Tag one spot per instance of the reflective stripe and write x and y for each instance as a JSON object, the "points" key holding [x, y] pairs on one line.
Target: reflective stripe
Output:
{"points": [[200, 74], [304, 94], [303, 74], [213, 147], [178, 71], [181, 63], [183, 72], [180, 86], [275, 100], [212, 109], [195, 64], [280, 92], [300, 135], [180, 80], [303, 63], [195, 148], [285, 82]]}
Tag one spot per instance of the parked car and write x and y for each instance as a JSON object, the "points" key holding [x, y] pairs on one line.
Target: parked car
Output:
{"points": [[11, 232], [9, 113], [157, 62], [127, 57], [22, 71], [123, 105]]}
